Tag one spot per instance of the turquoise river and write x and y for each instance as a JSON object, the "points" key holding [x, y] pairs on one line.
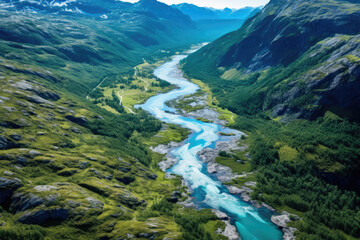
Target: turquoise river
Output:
{"points": [[251, 223]]}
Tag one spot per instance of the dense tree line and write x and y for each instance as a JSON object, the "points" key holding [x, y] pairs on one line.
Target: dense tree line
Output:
{"points": [[191, 224], [299, 183]]}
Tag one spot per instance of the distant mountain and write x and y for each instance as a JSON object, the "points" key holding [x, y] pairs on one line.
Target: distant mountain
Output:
{"points": [[163, 11], [86, 7], [200, 13], [195, 12], [311, 49]]}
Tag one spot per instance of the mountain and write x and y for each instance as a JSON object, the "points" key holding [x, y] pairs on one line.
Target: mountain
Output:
{"points": [[313, 42], [101, 38], [163, 11], [85, 7], [292, 75], [195, 12], [241, 13], [200, 13]]}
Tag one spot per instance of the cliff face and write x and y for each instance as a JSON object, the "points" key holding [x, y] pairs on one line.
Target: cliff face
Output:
{"points": [[332, 85], [313, 45], [287, 29]]}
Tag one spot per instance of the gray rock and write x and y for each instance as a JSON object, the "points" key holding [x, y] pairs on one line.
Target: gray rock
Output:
{"points": [[221, 215], [174, 198], [152, 176], [50, 199], [21, 160], [289, 233], [8, 173], [7, 188], [75, 130], [78, 120], [38, 100], [94, 203], [151, 235], [84, 165], [92, 159], [96, 172], [5, 98], [9, 109], [16, 137], [6, 143], [125, 179], [234, 190], [73, 204], [33, 153], [46, 216], [109, 177], [129, 200], [280, 220], [250, 184], [31, 87], [230, 230], [45, 188], [22, 201]]}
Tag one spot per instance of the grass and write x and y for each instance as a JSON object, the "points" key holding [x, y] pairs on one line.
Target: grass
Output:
{"points": [[84, 161], [235, 166], [132, 89], [287, 153]]}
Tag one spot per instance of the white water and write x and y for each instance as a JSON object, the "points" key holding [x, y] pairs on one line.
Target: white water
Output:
{"points": [[251, 223]]}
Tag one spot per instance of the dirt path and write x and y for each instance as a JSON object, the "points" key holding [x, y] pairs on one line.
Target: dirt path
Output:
{"points": [[87, 96]]}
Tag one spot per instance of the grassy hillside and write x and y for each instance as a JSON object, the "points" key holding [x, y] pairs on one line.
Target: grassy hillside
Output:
{"points": [[71, 170], [73, 163]]}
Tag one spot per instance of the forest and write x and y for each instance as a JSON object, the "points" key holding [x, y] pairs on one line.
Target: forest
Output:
{"points": [[308, 168]]}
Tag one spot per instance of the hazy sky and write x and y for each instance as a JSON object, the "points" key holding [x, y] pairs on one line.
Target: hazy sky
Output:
{"points": [[216, 3]]}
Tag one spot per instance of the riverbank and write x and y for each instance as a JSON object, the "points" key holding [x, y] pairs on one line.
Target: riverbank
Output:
{"points": [[207, 190]]}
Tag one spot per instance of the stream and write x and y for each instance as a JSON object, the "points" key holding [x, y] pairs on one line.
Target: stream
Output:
{"points": [[251, 223]]}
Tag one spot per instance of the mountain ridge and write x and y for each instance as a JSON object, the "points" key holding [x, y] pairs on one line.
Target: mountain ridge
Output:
{"points": [[200, 13], [277, 38]]}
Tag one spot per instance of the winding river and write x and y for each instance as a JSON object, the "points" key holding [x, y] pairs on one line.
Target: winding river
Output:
{"points": [[251, 222]]}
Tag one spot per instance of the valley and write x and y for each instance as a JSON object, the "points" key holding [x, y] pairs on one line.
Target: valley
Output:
{"points": [[111, 128]]}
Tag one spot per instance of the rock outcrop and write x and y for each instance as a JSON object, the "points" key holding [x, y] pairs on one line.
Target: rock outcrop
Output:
{"points": [[45, 216], [7, 188], [21, 202]]}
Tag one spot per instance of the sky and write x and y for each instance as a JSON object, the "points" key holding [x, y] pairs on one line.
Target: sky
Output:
{"points": [[216, 3]]}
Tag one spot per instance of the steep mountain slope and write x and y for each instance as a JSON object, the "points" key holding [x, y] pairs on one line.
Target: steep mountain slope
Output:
{"points": [[292, 74], [284, 36]]}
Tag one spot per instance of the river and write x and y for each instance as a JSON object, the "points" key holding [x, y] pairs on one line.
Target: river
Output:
{"points": [[251, 223]]}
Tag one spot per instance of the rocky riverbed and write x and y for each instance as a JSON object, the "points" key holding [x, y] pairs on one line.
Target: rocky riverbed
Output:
{"points": [[228, 143]]}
